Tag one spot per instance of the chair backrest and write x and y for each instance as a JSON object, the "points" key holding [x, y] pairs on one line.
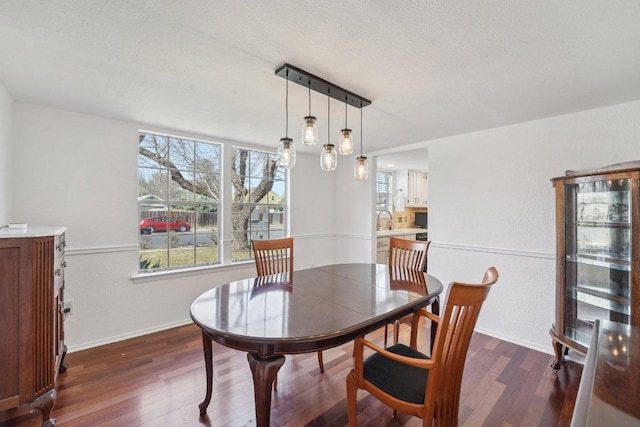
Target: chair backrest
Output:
{"points": [[273, 256], [462, 308], [408, 253], [402, 278]]}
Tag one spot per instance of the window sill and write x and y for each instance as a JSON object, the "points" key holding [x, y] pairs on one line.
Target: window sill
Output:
{"points": [[187, 272]]}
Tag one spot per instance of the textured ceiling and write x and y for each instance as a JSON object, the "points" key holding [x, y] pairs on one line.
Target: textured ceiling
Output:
{"points": [[431, 68]]}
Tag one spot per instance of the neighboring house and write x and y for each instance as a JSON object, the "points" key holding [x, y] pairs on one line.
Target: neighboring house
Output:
{"points": [[146, 203], [265, 216], [271, 198]]}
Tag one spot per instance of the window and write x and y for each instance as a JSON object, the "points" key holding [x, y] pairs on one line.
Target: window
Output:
{"points": [[258, 191], [178, 202], [383, 191]]}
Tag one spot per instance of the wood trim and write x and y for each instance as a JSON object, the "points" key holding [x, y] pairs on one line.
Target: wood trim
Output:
{"points": [[634, 291], [44, 309], [561, 258]]}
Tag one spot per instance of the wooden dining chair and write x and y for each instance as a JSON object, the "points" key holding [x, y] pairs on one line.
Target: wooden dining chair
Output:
{"points": [[275, 256], [411, 382], [410, 254]]}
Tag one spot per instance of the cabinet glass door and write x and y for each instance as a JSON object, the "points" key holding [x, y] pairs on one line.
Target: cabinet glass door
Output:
{"points": [[598, 255]]}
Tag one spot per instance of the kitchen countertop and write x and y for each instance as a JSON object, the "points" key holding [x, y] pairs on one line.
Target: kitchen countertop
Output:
{"points": [[400, 232]]}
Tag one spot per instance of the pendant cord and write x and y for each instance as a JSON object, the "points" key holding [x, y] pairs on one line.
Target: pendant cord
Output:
{"points": [[345, 112], [361, 130], [328, 116], [309, 98], [286, 107]]}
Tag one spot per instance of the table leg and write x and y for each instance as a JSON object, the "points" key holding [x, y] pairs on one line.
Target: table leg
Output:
{"points": [[208, 366], [264, 370]]}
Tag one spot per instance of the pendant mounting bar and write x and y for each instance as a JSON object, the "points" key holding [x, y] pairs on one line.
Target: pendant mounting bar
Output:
{"points": [[303, 78]]}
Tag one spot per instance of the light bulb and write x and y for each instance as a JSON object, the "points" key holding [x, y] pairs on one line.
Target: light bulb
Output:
{"points": [[328, 158], [286, 153], [361, 169], [346, 142], [309, 131]]}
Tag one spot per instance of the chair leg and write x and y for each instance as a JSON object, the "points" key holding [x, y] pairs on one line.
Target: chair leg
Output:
{"points": [[385, 335], [396, 331], [320, 362], [352, 391]]}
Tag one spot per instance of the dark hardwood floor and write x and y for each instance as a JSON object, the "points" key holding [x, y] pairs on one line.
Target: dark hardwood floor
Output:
{"points": [[158, 380]]}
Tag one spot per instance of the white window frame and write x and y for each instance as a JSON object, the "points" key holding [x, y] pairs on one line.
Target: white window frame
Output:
{"points": [[198, 238]]}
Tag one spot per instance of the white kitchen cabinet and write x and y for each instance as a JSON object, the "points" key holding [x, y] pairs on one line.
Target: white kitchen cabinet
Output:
{"points": [[383, 250], [417, 188], [383, 246], [399, 189], [411, 236]]}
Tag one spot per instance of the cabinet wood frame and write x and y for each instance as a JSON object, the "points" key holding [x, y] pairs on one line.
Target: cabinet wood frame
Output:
{"points": [[631, 171]]}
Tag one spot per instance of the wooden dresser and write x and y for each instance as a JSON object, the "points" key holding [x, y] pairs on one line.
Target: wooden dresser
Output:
{"points": [[32, 346], [609, 393]]}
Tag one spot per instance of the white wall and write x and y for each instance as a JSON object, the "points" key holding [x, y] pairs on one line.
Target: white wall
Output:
{"points": [[354, 213], [80, 171], [312, 213], [491, 203], [6, 156]]}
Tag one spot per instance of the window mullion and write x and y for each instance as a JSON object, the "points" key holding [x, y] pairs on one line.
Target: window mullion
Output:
{"points": [[225, 206]]}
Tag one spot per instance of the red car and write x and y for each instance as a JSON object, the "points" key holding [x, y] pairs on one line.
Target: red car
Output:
{"points": [[159, 223]]}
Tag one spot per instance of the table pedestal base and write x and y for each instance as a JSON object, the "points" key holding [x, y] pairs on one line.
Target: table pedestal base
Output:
{"points": [[264, 370]]}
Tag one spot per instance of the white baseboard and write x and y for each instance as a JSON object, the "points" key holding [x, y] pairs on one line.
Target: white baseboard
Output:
{"points": [[116, 338], [533, 346], [133, 334]]}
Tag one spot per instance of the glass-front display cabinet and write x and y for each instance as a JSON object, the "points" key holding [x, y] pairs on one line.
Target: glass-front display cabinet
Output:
{"points": [[597, 254]]}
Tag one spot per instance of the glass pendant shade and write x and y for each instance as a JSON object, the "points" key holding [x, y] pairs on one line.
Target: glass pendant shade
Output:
{"points": [[361, 169], [286, 153], [309, 131], [346, 142], [328, 158]]}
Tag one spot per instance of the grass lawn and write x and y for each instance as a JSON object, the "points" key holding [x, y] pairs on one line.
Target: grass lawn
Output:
{"points": [[184, 256]]}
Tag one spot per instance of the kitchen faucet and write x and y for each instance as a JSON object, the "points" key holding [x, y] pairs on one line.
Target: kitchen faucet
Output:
{"points": [[390, 219]]}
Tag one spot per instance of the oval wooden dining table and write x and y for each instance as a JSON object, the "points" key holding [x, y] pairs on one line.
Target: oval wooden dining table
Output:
{"points": [[307, 311]]}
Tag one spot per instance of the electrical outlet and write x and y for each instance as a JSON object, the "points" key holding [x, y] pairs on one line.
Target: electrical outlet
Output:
{"points": [[67, 307]]}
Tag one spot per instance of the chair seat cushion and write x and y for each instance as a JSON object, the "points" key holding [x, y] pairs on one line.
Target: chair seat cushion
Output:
{"points": [[397, 379]]}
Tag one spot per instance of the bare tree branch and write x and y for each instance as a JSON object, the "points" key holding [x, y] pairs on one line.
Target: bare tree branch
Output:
{"points": [[176, 175], [241, 209]]}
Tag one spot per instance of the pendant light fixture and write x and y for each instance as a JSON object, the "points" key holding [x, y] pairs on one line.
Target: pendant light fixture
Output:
{"points": [[328, 156], [329, 152], [346, 139], [286, 148], [361, 168], [309, 126]]}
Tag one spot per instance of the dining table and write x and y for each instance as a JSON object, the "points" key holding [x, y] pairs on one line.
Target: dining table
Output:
{"points": [[304, 311]]}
